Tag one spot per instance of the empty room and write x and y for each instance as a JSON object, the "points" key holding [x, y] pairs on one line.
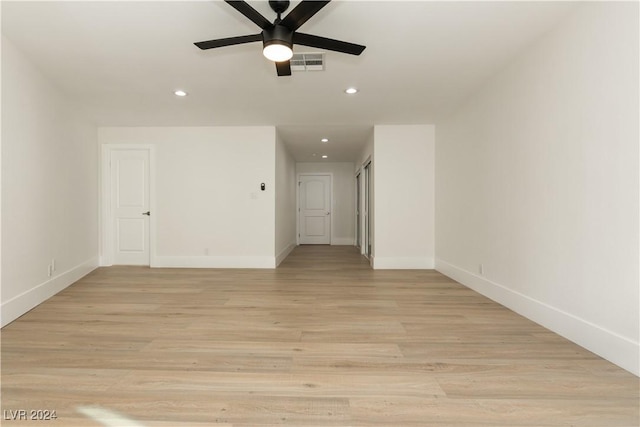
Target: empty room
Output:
{"points": [[320, 213]]}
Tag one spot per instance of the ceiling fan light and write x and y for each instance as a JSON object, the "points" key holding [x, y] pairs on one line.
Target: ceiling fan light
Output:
{"points": [[277, 52]]}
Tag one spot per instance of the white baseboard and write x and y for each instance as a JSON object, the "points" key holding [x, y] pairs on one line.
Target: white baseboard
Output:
{"points": [[620, 350], [342, 241], [21, 304], [214, 262], [402, 263], [284, 253]]}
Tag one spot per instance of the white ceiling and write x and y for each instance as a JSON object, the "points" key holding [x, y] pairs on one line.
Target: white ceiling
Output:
{"points": [[122, 61]]}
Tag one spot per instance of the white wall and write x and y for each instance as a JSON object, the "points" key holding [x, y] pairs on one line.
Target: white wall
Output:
{"points": [[344, 198], [366, 153], [285, 201], [49, 188], [537, 180], [404, 196], [210, 211]]}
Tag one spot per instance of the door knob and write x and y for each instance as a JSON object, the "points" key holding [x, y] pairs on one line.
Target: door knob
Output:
{"points": [[148, 213]]}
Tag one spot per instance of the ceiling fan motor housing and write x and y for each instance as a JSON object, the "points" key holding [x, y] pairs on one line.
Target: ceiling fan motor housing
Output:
{"points": [[278, 34]]}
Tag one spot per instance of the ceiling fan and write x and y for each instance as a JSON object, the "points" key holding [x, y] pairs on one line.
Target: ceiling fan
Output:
{"points": [[279, 37]]}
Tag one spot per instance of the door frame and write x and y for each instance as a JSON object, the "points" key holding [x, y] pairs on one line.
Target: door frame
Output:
{"points": [[106, 212], [365, 172], [330, 175], [358, 197]]}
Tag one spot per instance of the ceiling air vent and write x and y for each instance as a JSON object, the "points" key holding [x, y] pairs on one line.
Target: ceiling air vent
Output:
{"points": [[307, 62]]}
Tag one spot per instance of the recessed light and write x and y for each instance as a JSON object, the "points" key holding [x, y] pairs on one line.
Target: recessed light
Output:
{"points": [[324, 140], [351, 90], [324, 156], [180, 93]]}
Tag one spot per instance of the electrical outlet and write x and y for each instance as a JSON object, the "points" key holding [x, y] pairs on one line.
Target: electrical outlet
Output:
{"points": [[481, 269], [206, 251], [49, 270], [53, 265]]}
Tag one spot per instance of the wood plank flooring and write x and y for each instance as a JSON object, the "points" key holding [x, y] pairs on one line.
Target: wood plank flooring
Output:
{"points": [[321, 341]]}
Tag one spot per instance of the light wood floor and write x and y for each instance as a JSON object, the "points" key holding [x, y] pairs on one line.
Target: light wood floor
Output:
{"points": [[321, 341]]}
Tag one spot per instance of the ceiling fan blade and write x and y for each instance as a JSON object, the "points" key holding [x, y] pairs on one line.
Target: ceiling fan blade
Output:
{"points": [[329, 44], [283, 68], [255, 16], [229, 41], [302, 12]]}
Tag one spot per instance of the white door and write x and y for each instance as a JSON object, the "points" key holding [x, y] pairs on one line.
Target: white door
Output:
{"points": [[315, 209], [130, 206]]}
